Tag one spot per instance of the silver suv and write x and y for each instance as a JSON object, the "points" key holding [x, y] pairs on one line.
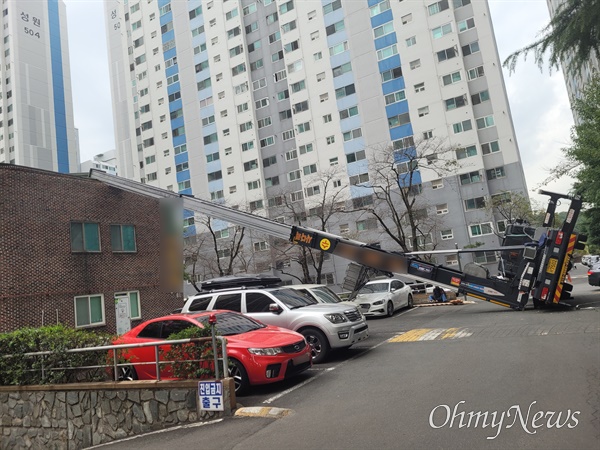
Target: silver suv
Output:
{"points": [[325, 326]]}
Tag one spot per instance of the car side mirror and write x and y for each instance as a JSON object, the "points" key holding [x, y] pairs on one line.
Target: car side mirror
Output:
{"points": [[275, 308]]}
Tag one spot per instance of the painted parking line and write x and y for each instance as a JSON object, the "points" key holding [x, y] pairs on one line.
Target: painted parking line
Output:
{"points": [[431, 334]]}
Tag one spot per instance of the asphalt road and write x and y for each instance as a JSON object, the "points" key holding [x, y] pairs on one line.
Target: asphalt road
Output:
{"points": [[426, 379]]}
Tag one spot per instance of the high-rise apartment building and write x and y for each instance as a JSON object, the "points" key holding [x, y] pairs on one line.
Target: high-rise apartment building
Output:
{"points": [[576, 81], [36, 106], [247, 101]]}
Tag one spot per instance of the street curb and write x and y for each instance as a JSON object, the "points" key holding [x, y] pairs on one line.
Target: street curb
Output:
{"points": [[260, 411], [427, 305]]}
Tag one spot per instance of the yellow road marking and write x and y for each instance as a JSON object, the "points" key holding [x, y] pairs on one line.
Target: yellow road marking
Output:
{"points": [[431, 334]]}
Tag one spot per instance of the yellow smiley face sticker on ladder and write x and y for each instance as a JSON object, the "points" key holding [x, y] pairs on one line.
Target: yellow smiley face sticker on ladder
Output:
{"points": [[325, 244]]}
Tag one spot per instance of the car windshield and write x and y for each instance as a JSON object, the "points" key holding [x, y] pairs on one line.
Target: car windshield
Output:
{"points": [[293, 299], [229, 323], [326, 295], [374, 288]]}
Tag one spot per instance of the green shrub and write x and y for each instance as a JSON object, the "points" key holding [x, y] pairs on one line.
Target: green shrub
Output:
{"points": [[58, 367], [194, 359]]}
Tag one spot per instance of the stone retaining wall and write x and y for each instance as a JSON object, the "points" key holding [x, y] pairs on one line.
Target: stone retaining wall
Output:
{"points": [[86, 414]]}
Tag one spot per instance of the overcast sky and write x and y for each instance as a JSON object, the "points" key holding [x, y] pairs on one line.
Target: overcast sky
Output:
{"points": [[538, 100]]}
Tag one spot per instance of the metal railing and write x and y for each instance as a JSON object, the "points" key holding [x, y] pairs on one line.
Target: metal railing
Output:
{"points": [[115, 365]]}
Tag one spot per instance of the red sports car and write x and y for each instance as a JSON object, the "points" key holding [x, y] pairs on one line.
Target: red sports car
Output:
{"points": [[258, 353]]}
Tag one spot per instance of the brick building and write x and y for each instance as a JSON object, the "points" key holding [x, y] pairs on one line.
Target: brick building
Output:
{"points": [[70, 245]]}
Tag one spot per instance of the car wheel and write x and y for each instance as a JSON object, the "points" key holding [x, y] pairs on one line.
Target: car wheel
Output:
{"points": [[319, 346], [410, 303], [239, 375], [126, 373], [390, 309]]}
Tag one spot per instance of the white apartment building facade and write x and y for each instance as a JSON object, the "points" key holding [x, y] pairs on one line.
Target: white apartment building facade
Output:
{"points": [[241, 101], [36, 117]]}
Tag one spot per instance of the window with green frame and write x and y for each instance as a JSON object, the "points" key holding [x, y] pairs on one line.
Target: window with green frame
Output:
{"points": [[85, 237], [89, 310], [122, 238]]}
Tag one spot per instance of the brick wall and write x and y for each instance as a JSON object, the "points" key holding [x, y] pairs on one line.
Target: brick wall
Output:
{"points": [[40, 276]]}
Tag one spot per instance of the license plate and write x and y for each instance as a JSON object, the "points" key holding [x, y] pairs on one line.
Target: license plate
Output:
{"points": [[552, 264]]}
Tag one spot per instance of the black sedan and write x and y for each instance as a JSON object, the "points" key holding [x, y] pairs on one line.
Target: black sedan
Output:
{"points": [[594, 275]]}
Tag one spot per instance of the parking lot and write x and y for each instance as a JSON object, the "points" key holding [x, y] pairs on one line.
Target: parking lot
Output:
{"points": [[384, 391]]}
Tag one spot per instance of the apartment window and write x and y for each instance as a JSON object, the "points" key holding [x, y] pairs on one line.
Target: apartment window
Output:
{"points": [[287, 135], [382, 30], [438, 7], [349, 112], [423, 111], [330, 7], [231, 14], [303, 127], [490, 147], [262, 103], [330, 140], [352, 134], [89, 310], [294, 175], [85, 237], [240, 88], [420, 87], [264, 122], [271, 160], [310, 169], [242, 107], [480, 97], [122, 238], [465, 25], [273, 181], [334, 28], [172, 79], [415, 64], [323, 97], [451, 78], [459, 127], [327, 118], [287, 114], [274, 37], [379, 8], [459, 3], [446, 54], [317, 56], [230, 33], [150, 159], [496, 172], [367, 224], [140, 59], [338, 48], [427, 135], [476, 72], [333, 162], [211, 138], [485, 122], [181, 167], [148, 142], [473, 47], [340, 70], [287, 27], [298, 86], [256, 65], [250, 165], [356, 156], [183, 185], [297, 196], [456, 102], [470, 178], [195, 12], [359, 179], [400, 119], [164, 9], [204, 84], [406, 19], [466, 152], [272, 18], [266, 142], [295, 66], [206, 102], [441, 31], [212, 157], [441, 209], [345, 91], [249, 9], [503, 197], [481, 229], [245, 126], [238, 49], [475, 203], [391, 74], [411, 41], [277, 56]]}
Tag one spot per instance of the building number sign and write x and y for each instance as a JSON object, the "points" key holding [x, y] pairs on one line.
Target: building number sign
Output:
{"points": [[113, 16], [33, 24]]}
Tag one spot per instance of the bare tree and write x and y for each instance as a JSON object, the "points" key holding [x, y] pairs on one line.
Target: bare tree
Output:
{"points": [[323, 201], [393, 192]]}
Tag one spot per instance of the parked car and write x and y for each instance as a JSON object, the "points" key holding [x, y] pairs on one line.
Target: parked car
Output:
{"points": [[594, 275], [325, 326], [383, 297], [590, 260], [258, 353], [320, 292]]}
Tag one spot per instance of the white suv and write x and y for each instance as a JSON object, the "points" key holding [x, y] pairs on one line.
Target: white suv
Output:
{"points": [[325, 326]]}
